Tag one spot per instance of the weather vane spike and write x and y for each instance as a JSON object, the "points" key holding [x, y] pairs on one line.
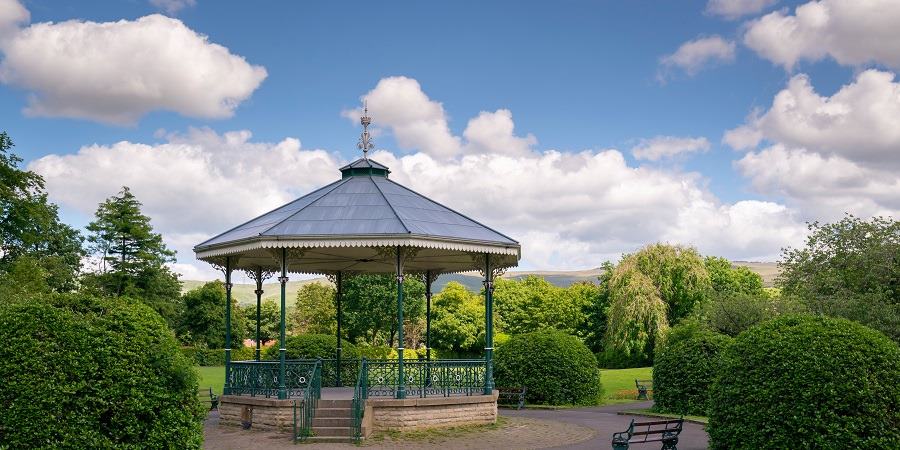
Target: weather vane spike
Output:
{"points": [[365, 141]]}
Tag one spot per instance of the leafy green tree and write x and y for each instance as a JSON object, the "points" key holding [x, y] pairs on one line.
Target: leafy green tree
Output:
{"points": [[203, 318], [24, 277], [30, 225], [649, 291], [851, 269], [132, 257], [732, 313], [597, 311], [728, 279], [457, 322], [269, 321], [370, 307], [536, 304], [315, 310]]}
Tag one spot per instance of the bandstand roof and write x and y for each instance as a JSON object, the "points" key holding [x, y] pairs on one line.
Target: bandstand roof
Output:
{"points": [[353, 224]]}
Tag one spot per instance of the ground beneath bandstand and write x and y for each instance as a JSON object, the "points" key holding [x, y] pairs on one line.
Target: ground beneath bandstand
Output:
{"points": [[576, 428]]}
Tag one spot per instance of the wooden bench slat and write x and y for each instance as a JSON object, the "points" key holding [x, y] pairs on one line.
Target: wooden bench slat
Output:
{"points": [[661, 422]]}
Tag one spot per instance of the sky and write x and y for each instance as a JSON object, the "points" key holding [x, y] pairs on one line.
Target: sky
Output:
{"points": [[583, 129]]}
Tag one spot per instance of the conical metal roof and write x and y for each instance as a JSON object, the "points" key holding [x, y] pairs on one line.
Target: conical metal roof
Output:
{"points": [[362, 213]]}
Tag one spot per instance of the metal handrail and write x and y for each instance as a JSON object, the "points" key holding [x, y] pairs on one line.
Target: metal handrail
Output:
{"points": [[303, 421], [442, 378], [360, 394]]}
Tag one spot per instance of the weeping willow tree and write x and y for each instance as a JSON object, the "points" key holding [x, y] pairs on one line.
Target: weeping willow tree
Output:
{"points": [[649, 291]]}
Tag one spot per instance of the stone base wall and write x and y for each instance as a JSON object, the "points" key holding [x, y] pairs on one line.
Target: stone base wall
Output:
{"points": [[262, 413], [422, 413]]}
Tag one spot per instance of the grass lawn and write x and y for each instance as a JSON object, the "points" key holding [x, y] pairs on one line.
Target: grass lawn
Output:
{"points": [[212, 376], [618, 384]]}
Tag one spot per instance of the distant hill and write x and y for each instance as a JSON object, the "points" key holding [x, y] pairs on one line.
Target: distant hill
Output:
{"points": [[245, 296]]}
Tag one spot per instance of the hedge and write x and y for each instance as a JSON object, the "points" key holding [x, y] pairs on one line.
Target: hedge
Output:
{"points": [[216, 356], [685, 366], [807, 382], [555, 368], [85, 372]]}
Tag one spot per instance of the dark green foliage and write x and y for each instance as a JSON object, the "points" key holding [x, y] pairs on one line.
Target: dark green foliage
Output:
{"points": [[315, 310], [807, 382], [731, 313], [83, 372], [370, 307], [684, 368], [269, 321], [533, 304], [132, 257], [457, 323], [311, 346], [556, 368], [30, 226], [203, 319], [849, 269], [596, 312]]}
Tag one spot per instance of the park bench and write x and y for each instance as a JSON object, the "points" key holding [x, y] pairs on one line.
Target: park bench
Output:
{"points": [[643, 386], [665, 431], [512, 396], [207, 396]]}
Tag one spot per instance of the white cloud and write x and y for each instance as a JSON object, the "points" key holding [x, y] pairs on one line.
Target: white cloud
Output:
{"points": [[860, 122], [115, 72], [173, 6], [12, 14], [853, 32], [661, 147], [569, 210], [492, 132], [733, 9], [824, 187], [698, 54], [193, 185], [417, 122]]}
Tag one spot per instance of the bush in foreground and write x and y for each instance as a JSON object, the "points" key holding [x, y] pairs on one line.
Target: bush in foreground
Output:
{"points": [[84, 372], [807, 382], [555, 368], [684, 369]]}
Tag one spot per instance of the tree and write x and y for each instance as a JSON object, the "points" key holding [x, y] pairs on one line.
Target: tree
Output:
{"points": [[203, 318], [457, 322], [534, 304], [597, 311], [269, 321], [849, 269], [728, 279], [649, 291], [132, 257], [30, 225], [315, 310], [370, 307]]}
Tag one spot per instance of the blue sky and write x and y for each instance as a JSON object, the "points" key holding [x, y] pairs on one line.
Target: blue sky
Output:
{"points": [[576, 76]]}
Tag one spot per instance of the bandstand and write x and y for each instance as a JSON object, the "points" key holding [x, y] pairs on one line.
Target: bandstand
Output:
{"points": [[364, 223]]}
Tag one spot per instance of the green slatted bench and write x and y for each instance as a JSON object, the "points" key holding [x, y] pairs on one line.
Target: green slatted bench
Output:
{"points": [[664, 431], [207, 396], [643, 386], [512, 396]]}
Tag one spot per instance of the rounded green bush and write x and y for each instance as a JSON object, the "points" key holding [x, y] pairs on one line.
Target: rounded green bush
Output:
{"points": [[554, 367], [311, 346], [807, 382], [684, 368], [84, 372]]}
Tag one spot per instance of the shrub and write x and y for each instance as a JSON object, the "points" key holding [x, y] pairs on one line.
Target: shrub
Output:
{"points": [[202, 356], [555, 368], [84, 372], [685, 366], [311, 346], [807, 382]]}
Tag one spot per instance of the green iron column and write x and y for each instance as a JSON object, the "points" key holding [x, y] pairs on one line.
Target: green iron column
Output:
{"points": [[227, 388], [489, 326], [283, 279], [259, 293], [401, 380], [337, 297]]}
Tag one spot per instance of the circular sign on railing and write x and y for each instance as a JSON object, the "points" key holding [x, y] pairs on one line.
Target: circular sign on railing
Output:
{"points": [[380, 380], [302, 380], [458, 377]]}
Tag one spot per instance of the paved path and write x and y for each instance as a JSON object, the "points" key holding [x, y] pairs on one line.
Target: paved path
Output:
{"points": [[604, 421], [581, 428]]}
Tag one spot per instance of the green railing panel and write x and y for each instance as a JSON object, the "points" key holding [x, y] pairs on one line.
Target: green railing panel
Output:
{"points": [[305, 411], [260, 378], [360, 394], [441, 378]]}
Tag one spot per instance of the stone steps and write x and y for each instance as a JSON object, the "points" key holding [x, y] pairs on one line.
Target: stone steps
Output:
{"points": [[332, 422]]}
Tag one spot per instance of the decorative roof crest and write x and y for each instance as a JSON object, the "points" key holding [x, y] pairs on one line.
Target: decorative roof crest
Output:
{"points": [[365, 140]]}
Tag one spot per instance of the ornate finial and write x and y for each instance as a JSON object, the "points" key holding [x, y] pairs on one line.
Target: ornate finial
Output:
{"points": [[365, 141]]}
